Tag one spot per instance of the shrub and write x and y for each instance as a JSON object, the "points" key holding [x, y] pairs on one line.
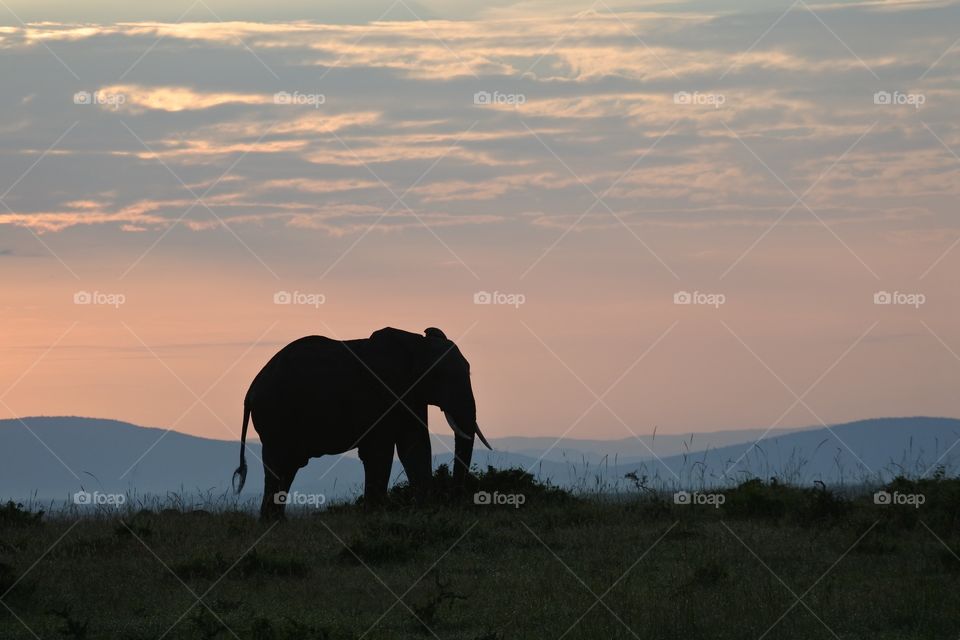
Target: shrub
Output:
{"points": [[502, 481], [774, 500], [14, 513]]}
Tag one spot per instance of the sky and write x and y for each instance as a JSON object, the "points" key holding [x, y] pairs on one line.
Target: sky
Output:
{"points": [[630, 217]]}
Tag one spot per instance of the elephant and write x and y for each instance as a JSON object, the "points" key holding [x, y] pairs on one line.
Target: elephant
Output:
{"points": [[319, 396]]}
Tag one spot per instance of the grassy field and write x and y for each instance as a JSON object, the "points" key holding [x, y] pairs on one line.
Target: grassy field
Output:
{"points": [[771, 562]]}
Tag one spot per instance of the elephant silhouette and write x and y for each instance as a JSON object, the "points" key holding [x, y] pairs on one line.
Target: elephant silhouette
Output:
{"points": [[319, 396]]}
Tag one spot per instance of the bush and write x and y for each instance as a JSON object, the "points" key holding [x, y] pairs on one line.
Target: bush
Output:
{"points": [[14, 513], [501, 481], [940, 506], [774, 500]]}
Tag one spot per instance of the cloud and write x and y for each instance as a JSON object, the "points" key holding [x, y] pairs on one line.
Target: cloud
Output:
{"points": [[599, 117], [603, 43], [173, 99], [141, 214]]}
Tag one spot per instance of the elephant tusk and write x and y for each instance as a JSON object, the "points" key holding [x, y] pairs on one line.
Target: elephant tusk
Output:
{"points": [[457, 430], [466, 436], [482, 439]]}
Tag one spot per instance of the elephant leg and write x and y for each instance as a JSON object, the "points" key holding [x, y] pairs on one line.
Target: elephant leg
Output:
{"points": [[413, 449], [271, 485], [278, 473], [287, 475], [377, 458]]}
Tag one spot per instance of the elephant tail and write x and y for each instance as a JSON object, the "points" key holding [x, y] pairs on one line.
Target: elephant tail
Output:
{"points": [[240, 475]]}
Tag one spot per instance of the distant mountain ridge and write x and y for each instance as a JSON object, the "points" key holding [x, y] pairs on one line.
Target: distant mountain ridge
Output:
{"points": [[863, 451], [57, 456]]}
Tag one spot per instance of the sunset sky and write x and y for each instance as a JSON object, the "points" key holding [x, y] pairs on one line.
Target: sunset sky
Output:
{"points": [[167, 173]]}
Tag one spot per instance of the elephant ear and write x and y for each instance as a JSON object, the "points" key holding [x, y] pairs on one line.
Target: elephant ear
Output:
{"points": [[436, 347], [394, 357]]}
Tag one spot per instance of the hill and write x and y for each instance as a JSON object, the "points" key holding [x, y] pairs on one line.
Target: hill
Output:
{"points": [[50, 458]]}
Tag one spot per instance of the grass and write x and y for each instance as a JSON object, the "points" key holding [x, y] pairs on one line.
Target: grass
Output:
{"points": [[557, 566]]}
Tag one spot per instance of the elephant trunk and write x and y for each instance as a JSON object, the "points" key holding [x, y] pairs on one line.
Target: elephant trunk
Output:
{"points": [[463, 447], [463, 453]]}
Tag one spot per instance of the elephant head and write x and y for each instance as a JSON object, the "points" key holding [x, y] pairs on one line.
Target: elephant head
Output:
{"points": [[446, 384]]}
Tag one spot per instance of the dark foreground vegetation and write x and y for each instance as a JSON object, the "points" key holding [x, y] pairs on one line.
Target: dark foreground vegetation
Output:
{"points": [[772, 561]]}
